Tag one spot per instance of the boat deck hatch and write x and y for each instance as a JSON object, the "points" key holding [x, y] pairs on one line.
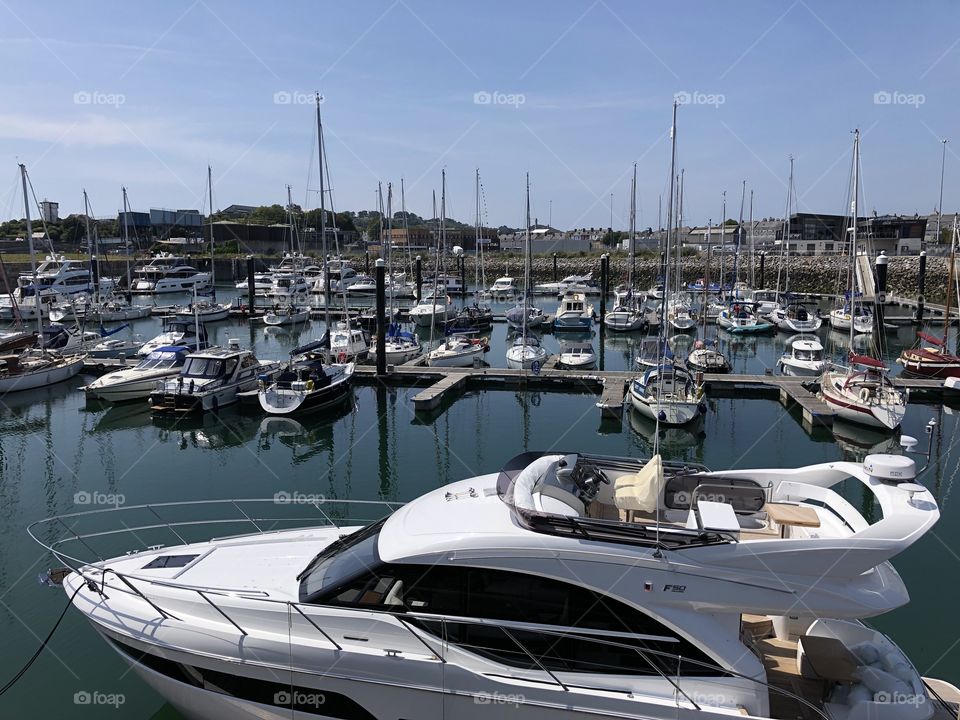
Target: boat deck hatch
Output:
{"points": [[170, 561]]}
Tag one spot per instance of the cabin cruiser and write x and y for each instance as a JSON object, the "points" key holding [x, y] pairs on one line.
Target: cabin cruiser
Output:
{"points": [[669, 393], [341, 277], [566, 585], [458, 350], [503, 286], [58, 279], [574, 312], [136, 383], [577, 356], [429, 310], [561, 286], [764, 301], [261, 283], [627, 313], [168, 273], [364, 285], [287, 285], [348, 342], [803, 357], [179, 332], [739, 319], [863, 393], [307, 383], [447, 284], [211, 379]]}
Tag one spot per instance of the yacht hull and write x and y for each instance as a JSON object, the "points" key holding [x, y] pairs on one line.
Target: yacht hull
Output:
{"points": [[881, 415], [620, 321], [138, 389], [42, 377]]}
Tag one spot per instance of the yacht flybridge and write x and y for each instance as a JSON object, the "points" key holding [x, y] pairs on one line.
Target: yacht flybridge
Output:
{"points": [[567, 585]]}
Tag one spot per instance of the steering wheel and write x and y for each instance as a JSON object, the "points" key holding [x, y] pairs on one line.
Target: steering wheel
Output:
{"points": [[588, 479]]}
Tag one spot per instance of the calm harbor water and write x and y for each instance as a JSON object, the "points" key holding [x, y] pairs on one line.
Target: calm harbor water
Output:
{"points": [[55, 450]]}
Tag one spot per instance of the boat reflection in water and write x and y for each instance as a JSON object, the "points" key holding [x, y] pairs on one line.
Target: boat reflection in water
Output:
{"points": [[673, 438], [208, 431], [858, 441], [305, 437]]}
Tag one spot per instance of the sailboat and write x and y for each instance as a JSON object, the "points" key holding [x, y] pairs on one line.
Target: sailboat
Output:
{"points": [[935, 359], [627, 314], [667, 392], [862, 392], [399, 346], [35, 367], [526, 350], [706, 355]]}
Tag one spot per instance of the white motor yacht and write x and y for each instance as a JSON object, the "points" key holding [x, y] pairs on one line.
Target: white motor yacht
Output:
{"points": [[429, 311], [794, 317], [261, 283], [503, 286], [348, 342], [563, 586], [458, 350], [211, 379], [561, 286], [179, 332], [168, 273], [577, 356], [136, 383], [803, 357]]}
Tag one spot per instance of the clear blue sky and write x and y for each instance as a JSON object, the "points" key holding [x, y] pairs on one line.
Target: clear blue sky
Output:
{"points": [[97, 95]]}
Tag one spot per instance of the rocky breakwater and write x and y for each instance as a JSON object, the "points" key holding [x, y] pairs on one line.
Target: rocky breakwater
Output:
{"points": [[824, 274]]}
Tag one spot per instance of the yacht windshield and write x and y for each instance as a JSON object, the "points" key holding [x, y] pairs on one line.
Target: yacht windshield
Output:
{"points": [[341, 561], [201, 367], [166, 358]]}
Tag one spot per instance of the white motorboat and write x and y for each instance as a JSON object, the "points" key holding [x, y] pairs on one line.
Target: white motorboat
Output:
{"points": [[114, 308], [503, 286], [429, 311], [668, 393], [561, 286], [458, 350], [574, 313], [168, 273], [34, 368], [211, 379], [261, 283], [862, 319], [348, 342], [863, 393], [306, 384], [526, 352], [577, 356], [794, 317], [548, 585], [803, 357], [364, 285], [136, 383], [72, 340], [681, 317], [739, 319], [287, 315], [764, 301], [58, 279], [625, 318], [286, 286], [706, 357], [341, 275], [206, 309], [178, 332]]}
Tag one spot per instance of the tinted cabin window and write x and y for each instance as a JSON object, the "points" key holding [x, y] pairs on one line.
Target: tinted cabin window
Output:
{"points": [[524, 598]]}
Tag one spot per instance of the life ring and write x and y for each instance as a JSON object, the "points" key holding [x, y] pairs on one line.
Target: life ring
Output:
{"points": [[309, 385], [864, 394]]}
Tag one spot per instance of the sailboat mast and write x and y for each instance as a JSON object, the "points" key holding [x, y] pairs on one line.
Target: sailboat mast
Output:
{"points": [[943, 165], [323, 225], [786, 235], [753, 257], [723, 242], [633, 228], [526, 271], [33, 257], [476, 232], [667, 247], [86, 224], [853, 230], [736, 251], [390, 244], [126, 235], [213, 265]]}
